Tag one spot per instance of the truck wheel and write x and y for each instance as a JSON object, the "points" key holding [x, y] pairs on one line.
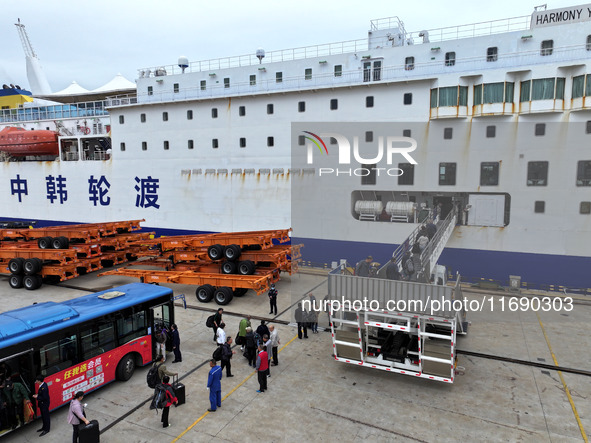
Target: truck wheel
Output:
{"points": [[232, 252], [246, 267], [223, 295], [15, 281], [215, 252], [229, 267], [204, 293], [45, 242], [59, 243], [32, 282], [32, 266], [16, 265]]}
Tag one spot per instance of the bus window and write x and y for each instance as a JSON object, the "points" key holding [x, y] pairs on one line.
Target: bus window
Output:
{"points": [[162, 315], [58, 355], [131, 326], [97, 339]]}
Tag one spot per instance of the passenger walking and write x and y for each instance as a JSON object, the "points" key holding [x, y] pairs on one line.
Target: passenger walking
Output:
{"points": [[273, 299], [217, 321], [392, 272], [313, 314], [300, 317], [262, 366], [408, 267], [244, 323], [227, 354], [251, 347], [275, 342], [170, 400], [431, 230], [268, 349], [160, 338], [221, 334], [176, 343], [15, 395], [362, 268], [76, 415], [214, 384], [42, 397], [162, 371]]}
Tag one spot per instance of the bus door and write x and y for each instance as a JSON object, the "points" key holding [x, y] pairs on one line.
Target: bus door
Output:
{"points": [[161, 316], [20, 368]]}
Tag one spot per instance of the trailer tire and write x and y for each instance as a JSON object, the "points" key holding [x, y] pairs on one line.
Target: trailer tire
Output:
{"points": [[215, 252], [32, 282], [32, 266], [229, 267], [246, 267], [16, 265], [223, 295], [45, 242], [125, 367], [204, 293], [60, 243], [15, 281], [232, 252], [107, 263], [240, 292]]}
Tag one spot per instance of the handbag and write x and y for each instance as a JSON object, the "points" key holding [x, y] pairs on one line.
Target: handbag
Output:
{"points": [[238, 340], [29, 413]]}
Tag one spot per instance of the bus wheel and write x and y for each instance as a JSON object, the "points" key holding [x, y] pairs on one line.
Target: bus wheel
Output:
{"points": [[223, 295], [204, 293], [15, 281], [125, 368]]}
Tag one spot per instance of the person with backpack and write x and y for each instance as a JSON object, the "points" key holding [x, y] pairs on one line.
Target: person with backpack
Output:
{"points": [[217, 321], [227, 354], [251, 346], [214, 384], [160, 339], [244, 323], [165, 399], [157, 372], [176, 343], [273, 299], [76, 415]]}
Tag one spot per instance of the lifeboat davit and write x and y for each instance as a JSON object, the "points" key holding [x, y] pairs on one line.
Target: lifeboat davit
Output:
{"points": [[19, 142]]}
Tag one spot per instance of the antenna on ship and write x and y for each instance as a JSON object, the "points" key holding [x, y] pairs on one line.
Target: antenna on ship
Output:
{"points": [[37, 80], [183, 63], [260, 55]]}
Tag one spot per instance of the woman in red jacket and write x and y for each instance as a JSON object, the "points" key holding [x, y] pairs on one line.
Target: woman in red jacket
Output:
{"points": [[170, 400]]}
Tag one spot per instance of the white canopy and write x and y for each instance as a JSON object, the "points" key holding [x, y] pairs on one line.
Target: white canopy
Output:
{"points": [[73, 89], [118, 83]]}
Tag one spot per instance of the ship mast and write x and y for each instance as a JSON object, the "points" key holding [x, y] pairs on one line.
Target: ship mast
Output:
{"points": [[37, 80]]}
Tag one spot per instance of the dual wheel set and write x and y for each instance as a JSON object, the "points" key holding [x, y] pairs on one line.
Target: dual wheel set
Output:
{"points": [[53, 243], [25, 273], [231, 265], [222, 295]]}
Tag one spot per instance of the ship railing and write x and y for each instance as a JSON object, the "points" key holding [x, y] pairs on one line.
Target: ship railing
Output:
{"points": [[353, 46], [398, 72], [54, 112]]}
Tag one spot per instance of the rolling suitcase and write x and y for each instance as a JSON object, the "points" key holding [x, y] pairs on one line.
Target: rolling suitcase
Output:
{"points": [[89, 433], [179, 391]]}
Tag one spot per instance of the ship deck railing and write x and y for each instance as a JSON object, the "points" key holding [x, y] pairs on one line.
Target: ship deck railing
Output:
{"points": [[388, 74], [352, 46], [55, 112]]}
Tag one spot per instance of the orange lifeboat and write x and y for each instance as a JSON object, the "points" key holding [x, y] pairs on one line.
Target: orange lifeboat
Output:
{"points": [[19, 142]]}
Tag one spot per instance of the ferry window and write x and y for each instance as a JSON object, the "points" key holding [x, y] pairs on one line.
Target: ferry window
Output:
{"points": [[540, 129], [253, 80], [333, 141], [203, 84], [448, 133], [477, 95], [377, 71], [584, 173], [542, 89], [165, 116], [175, 87], [190, 114], [366, 71], [278, 77], [509, 88], [434, 97], [408, 174], [489, 174], [121, 119], [96, 340], [59, 355], [214, 143], [578, 86], [463, 95], [166, 145], [588, 86], [131, 327], [588, 127], [270, 109], [537, 174], [308, 74], [539, 207], [226, 82], [547, 47], [450, 58], [143, 118], [406, 132], [338, 70], [447, 174], [369, 174], [270, 141], [492, 54], [334, 104], [242, 111], [408, 98], [301, 140], [525, 91], [493, 93], [588, 46], [150, 90], [409, 63], [122, 146], [144, 146], [491, 131], [585, 208], [560, 88], [190, 144], [214, 112], [242, 142], [369, 101], [301, 106], [368, 136]]}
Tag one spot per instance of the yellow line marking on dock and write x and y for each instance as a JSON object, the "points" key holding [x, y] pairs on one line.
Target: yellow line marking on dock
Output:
{"points": [[178, 437], [570, 399]]}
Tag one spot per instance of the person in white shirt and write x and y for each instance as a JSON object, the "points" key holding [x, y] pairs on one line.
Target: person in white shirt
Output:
{"points": [[221, 335], [274, 339]]}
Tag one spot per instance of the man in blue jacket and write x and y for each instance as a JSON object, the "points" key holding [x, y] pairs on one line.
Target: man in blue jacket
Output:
{"points": [[214, 384]]}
